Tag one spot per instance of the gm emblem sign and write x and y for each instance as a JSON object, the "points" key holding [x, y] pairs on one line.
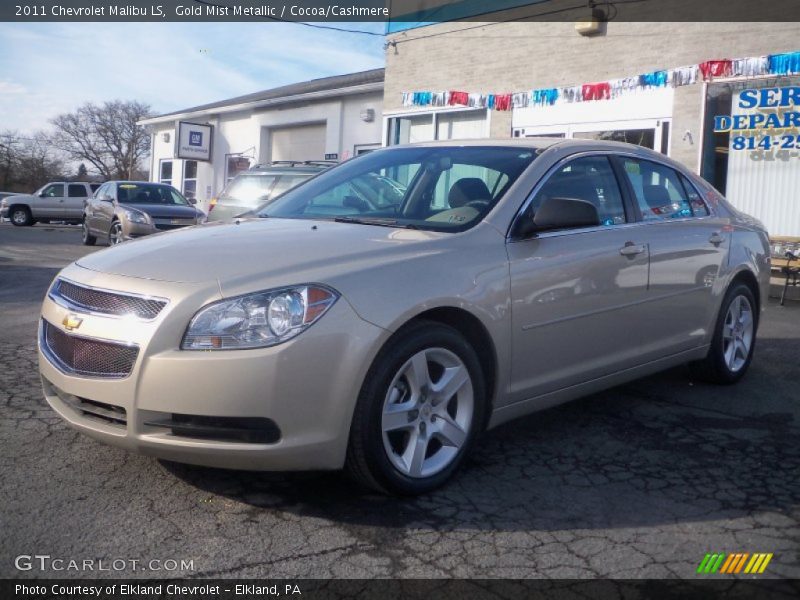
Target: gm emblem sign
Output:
{"points": [[71, 321], [193, 141]]}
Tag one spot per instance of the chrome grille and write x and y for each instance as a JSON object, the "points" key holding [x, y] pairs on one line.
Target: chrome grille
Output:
{"points": [[86, 356], [109, 303]]}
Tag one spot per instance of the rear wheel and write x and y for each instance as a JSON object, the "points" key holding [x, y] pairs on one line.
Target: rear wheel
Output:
{"points": [[21, 216], [418, 413], [115, 235], [87, 238], [734, 338]]}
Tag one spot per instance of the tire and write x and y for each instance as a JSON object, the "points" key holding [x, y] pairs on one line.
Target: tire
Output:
{"points": [[734, 338], [21, 216], [87, 238], [416, 449], [115, 234]]}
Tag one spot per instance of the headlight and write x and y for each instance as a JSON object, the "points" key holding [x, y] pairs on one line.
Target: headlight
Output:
{"points": [[258, 320], [134, 216]]}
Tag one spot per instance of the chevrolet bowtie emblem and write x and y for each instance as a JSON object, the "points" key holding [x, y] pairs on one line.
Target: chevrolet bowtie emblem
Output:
{"points": [[71, 322]]}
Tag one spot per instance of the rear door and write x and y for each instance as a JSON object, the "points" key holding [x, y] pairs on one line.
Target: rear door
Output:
{"points": [[74, 200], [577, 294], [687, 246]]}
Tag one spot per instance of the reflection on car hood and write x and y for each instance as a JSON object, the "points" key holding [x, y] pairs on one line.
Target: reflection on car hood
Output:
{"points": [[288, 251], [165, 211]]}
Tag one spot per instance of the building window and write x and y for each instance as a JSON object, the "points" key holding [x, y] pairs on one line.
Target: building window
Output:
{"points": [[234, 165], [441, 125], [190, 179], [165, 172], [750, 148]]}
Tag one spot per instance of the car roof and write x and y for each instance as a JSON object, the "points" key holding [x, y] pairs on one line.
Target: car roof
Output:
{"points": [[292, 166], [546, 143], [126, 182]]}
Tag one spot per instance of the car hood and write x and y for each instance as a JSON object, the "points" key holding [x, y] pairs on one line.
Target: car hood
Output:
{"points": [[261, 252], [162, 211], [18, 197]]}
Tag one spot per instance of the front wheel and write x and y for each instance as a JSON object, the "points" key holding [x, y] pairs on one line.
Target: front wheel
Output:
{"points": [[419, 411], [21, 216], [734, 338], [115, 236]]}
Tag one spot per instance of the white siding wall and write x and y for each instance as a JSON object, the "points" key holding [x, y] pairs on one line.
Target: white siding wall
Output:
{"points": [[248, 132]]}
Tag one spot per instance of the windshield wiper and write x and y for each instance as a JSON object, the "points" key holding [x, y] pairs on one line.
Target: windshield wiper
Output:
{"points": [[380, 222]]}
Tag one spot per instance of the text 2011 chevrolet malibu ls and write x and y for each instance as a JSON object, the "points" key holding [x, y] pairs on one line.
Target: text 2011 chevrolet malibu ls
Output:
{"points": [[380, 316]]}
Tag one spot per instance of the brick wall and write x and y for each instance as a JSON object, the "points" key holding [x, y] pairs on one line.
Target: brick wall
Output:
{"points": [[508, 57]]}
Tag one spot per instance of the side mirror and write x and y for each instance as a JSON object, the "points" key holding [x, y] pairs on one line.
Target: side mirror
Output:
{"points": [[192, 200], [565, 213], [41, 194]]}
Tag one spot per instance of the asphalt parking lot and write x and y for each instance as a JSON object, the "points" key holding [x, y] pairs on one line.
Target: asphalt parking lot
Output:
{"points": [[639, 481]]}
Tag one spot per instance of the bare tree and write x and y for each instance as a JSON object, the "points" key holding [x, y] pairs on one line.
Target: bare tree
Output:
{"points": [[105, 136], [27, 162]]}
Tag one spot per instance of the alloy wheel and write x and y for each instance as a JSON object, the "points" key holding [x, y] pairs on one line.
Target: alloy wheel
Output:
{"points": [[427, 413], [737, 333], [19, 217], [116, 234]]}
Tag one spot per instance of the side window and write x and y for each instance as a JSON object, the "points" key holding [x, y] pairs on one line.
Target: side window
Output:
{"points": [[165, 172], [101, 191], [590, 178], [54, 191], [658, 190], [76, 190], [699, 208]]}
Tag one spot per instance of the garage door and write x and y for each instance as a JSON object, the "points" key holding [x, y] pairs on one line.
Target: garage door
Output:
{"points": [[304, 142]]}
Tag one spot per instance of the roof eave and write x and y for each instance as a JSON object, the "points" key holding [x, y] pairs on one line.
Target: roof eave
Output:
{"points": [[310, 96]]}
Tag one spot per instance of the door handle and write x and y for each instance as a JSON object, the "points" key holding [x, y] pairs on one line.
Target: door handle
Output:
{"points": [[716, 238], [630, 249]]}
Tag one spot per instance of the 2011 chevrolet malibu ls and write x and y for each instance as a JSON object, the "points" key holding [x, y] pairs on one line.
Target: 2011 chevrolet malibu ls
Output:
{"points": [[384, 313]]}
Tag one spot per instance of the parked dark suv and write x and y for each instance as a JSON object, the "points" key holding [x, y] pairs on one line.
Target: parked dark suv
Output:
{"points": [[260, 184]]}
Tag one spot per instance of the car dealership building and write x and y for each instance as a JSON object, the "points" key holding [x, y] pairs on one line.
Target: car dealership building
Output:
{"points": [[198, 150], [680, 88]]}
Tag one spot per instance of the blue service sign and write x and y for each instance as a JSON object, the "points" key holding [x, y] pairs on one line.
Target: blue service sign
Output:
{"points": [[772, 121]]}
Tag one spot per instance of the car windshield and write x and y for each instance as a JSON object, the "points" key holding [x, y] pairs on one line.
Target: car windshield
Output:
{"points": [[256, 189], [150, 193], [447, 188]]}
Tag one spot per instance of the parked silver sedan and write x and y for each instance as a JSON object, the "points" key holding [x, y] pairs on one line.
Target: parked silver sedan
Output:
{"points": [[326, 333], [125, 210]]}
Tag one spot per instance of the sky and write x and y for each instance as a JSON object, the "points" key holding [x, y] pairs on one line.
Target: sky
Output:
{"points": [[50, 68]]}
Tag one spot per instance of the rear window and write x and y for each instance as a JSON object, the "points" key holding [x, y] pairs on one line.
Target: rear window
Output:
{"points": [[253, 190]]}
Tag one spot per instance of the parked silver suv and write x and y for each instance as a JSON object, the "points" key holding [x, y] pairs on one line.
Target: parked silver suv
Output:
{"points": [[58, 201], [384, 336], [261, 184]]}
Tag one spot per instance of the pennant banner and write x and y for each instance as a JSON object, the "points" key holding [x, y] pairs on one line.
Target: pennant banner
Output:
{"points": [[773, 64]]}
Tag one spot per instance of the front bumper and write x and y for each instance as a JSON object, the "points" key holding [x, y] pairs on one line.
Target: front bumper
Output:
{"points": [[307, 387]]}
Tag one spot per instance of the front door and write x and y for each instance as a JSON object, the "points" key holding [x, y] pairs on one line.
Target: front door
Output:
{"points": [[577, 295], [50, 203]]}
